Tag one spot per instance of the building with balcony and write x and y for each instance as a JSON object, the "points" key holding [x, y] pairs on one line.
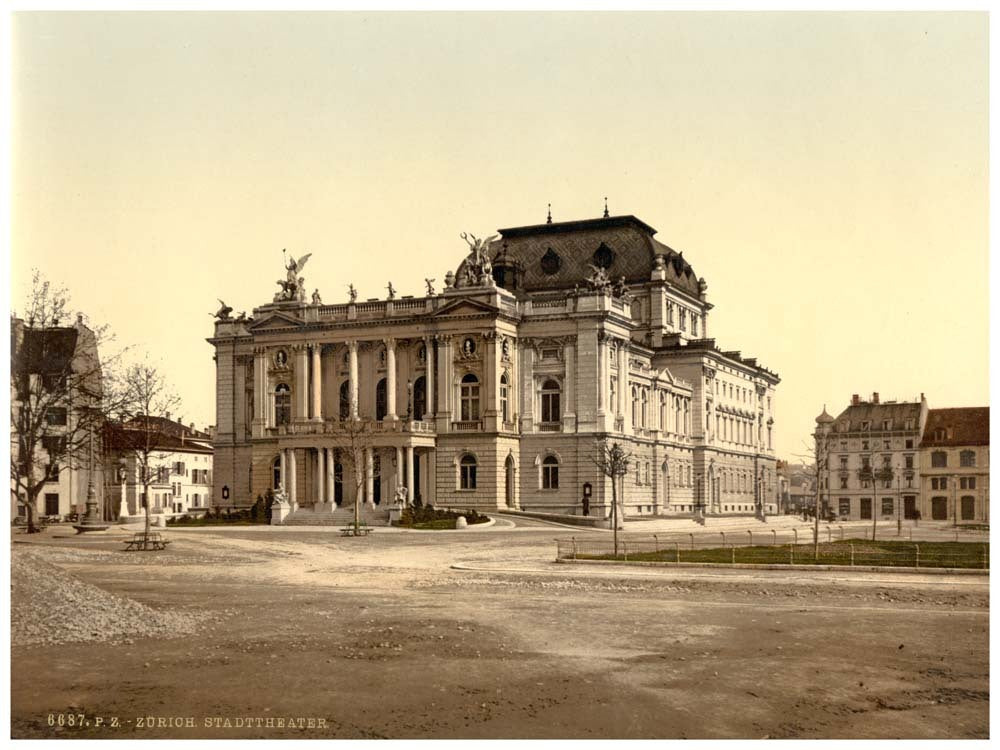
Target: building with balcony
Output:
{"points": [[490, 393], [870, 458], [955, 460]]}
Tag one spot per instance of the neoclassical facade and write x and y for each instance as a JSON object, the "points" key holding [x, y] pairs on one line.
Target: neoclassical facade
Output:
{"points": [[491, 392]]}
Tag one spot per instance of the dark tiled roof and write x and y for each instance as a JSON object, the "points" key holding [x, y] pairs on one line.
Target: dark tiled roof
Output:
{"points": [[574, 244], [168, 427], [117, 437], [963, 426], [49, 350], [897, 414]]}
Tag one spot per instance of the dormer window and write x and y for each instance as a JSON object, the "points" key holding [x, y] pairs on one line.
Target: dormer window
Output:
{"points": [[940, 434], [866, 425], [603, 257]]}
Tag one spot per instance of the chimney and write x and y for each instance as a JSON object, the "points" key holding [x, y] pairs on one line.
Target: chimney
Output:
{"points": [[855, 400], [875, 397], [168, 416]]}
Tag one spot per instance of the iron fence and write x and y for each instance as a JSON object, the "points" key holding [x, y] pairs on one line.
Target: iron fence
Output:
{"points": [[753, 548]]}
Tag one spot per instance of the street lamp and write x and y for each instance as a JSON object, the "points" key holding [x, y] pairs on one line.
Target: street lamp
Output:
{"points": [[91, 520]]}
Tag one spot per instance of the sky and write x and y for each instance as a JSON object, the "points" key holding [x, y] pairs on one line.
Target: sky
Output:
{"points": [[825, 172]]}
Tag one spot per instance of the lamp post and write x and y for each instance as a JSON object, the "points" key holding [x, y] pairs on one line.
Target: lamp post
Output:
{"points": [[91, 520], [123, 504]]}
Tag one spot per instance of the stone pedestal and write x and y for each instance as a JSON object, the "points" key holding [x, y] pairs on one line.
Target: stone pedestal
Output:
{"points": [[280, 510], [395, 513]]}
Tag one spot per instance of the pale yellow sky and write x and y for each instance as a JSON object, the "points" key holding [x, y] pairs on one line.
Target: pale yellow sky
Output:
{"points": [[826, 173]]}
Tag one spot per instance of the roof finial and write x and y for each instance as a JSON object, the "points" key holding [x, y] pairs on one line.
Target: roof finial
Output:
{"points": [[548, 219], [606, 215]]}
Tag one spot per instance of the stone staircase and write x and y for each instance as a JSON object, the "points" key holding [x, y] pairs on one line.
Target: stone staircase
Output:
{"points": [[322, 515]]}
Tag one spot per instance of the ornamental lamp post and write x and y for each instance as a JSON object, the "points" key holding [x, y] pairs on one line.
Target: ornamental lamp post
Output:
{"points": [[123, 504], [91, 520]]}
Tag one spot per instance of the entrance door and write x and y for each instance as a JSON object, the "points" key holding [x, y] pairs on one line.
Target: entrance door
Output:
{"points": [[866, 508], [909, 507], [509, 481], [939, 508], [377, 479], [416, 477]]}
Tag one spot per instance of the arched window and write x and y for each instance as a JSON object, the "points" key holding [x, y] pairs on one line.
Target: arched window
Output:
{"points": [[550, 401], [381, 402], [345, 400], [276, 473], [282, 404], [645, 404], [419, 397], [467, 472], [550, 473], [469, 399], [504, 398]]}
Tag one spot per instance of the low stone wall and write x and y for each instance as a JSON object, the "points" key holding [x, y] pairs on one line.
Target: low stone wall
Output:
{"points": [[589, 521]]}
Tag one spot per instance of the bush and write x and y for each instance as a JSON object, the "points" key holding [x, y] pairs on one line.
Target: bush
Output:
{"points": [[428, 516]]}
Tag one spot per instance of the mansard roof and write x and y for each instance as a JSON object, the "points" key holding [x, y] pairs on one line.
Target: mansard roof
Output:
{"points": [[963, 426], [569, 250], [875, 413]]}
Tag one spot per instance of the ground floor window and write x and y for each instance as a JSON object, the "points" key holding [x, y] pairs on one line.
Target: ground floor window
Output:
{"points": [[467, 477], [550, 473], [52, 503], [968, 508], [887, 506], [845, 506], [866, 508], [939, 508], [909, 506]]}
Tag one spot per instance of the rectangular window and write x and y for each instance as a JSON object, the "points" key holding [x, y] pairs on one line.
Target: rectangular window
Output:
{"points": [[967, 458], [52, 472], [56, 416], [887, 506], [909, 445], [968, 508], [909, 462], [886, 425], [843, 483], [843, 462], [845, 506], [52, 503]]}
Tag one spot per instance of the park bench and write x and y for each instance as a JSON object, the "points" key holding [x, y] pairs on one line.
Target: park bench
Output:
{"points": [[143, 541], [361, 529]]}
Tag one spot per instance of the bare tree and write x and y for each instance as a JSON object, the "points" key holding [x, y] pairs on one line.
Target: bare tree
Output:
{"points": [[352, 440], [817, 467], [869, 472], [58, 396], [613, 461], [147, 400]]}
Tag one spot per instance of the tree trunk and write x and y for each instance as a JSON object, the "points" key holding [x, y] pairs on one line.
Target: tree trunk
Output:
{"points": [[30, 507], [614, 512]]}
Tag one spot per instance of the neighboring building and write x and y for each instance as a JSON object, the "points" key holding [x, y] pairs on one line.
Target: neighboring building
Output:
{"points": [[872, 458], [796, 488], [181, 462], [490, 393], [66, 357], [955, 465]]}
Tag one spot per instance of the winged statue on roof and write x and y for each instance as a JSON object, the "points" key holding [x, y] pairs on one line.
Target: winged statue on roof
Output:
{"points": [[290, 285]]}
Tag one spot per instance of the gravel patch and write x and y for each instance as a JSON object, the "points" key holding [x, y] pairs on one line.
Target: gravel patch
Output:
{"points": [[50, 606]]}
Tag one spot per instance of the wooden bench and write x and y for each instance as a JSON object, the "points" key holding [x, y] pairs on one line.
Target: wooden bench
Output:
{"points": [[143, 541], [360, 530]]}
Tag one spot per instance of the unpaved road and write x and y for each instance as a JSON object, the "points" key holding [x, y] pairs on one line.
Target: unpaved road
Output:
{"points": [[380, 637]]}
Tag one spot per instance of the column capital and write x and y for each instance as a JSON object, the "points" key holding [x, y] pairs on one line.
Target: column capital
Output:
{"points": [[352, 344]]}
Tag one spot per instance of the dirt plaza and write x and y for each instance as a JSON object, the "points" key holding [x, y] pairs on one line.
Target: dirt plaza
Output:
{"points": [[268, 632]]}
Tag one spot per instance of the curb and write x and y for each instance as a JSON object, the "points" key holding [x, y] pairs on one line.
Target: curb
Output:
{"points": [[758, 566]]}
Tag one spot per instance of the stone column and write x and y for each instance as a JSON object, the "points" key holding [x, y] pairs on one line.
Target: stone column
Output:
{"points": [[331, 490], [399, 466], [317, 383], [260, 387], [409, 475], [429, 377], [301, 381], [352, 346], [569, 391], [293, 497], [390, 378], [284, 470], [370, 476], [321, 475]]}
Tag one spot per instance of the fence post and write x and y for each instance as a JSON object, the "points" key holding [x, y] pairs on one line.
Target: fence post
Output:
{"points": [[791, 554], [841, 532], [829, 534], [774, 533], [692, 540], [852, 555], [625, 550], [918, 554], [911, 533], [956, 535], [574, 547], [733, 548], [723, 539], [656, 543], [751, 537], [677, 549], [796, 532]]}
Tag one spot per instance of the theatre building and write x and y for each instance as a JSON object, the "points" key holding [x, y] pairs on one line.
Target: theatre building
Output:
{"points": [[490, 392]]}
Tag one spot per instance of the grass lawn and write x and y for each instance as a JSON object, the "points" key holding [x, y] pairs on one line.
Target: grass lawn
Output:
{"points": [[846, 552]]}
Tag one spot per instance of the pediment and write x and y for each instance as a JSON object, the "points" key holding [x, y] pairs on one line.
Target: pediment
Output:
{"points": [[275, 321], [464, 307]]}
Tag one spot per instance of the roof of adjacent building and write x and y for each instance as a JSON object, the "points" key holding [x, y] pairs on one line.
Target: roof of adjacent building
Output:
{"points": [[570, 248], [132, 436], [48, 350], [962, 426], [875, 413], [168, 426]]}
